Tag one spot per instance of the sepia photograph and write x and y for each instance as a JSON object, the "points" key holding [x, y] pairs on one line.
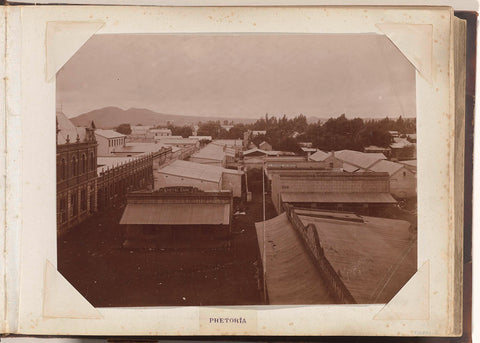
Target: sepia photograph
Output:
{"points": [[236, 169]]}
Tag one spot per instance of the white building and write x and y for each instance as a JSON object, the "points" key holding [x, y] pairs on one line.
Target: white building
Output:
{"points": [[108, 141], [157, 133], [403, 182], [202, 176]]}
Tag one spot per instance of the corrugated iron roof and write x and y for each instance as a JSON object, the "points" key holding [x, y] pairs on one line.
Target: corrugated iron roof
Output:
{"points": [[319, 156], [176, 214], [211, 152], [411, 163], [193, 170], [228, 142], [374, 259], [104, 162], [263, 152], [350, 168], [359, 159], [291, 275], [333, 197], [198, 171], [386, 166], [109, 133]]}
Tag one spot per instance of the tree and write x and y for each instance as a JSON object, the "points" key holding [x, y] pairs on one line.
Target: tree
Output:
{"points": [[184, 131], [212, 128], [124, 129]]}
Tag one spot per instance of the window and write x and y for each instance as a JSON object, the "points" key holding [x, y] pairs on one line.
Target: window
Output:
{"points": [[83, 164], [63, 170], [74, 203], [83, 200], [63, 210], [92, 161], [404, 174], [74, 166]]}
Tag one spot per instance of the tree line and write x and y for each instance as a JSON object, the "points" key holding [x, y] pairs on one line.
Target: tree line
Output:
{"points": [[285, 134]]}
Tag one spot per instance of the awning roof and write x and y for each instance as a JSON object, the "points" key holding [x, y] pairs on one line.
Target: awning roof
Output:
{"points": [[176, 214], [380, 198]]}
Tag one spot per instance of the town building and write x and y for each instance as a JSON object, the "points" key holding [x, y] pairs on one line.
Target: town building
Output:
{"points": [[410, 164], [295, 165], [403, 181], [163, 132], [358, 161], [265, 146], [202, 176], [326, 158], [403, 149], [308, 151], [376, 149], [76, 173], [178, 217], [161, 153], [140, 130], [323, 257], [108, 141], [202, 138], [364, 193], [87, 183], [118, 179], [215, 154]]}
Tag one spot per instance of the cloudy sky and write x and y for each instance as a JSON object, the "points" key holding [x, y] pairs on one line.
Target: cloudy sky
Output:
{"points": [[240, 75]]}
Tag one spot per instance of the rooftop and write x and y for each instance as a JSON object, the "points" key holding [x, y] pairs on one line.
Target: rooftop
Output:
{"points": [[261, 152], [112, 161], [337, 197], [292, 277], [374, 259], [319, 156], [67, 129], [386, 166], [109, 133], [212, 152], [196, 170], [138, 148], [359, 159]]}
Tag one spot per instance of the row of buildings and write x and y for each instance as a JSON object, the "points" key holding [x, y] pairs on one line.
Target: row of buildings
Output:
{"points": [[97, 168]]}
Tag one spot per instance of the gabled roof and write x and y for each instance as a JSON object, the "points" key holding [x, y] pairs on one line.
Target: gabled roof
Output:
{"points": [[263, 152], [108, 133], [411, 163], [211, 152], [359, 159], [319, 156], [386, 166]]}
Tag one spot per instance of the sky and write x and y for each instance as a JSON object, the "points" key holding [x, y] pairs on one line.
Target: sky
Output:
{"points": [[244, 76]]}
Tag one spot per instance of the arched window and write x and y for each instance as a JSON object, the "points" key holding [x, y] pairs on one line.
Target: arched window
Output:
{"points": [[74, 166], [92, 161], [83, 163]]}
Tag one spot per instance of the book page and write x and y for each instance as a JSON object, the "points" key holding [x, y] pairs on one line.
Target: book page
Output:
{"points": [[68, 230]]}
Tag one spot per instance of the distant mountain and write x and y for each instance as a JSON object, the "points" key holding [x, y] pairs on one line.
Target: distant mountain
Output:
{"points": [[111, 117]]}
